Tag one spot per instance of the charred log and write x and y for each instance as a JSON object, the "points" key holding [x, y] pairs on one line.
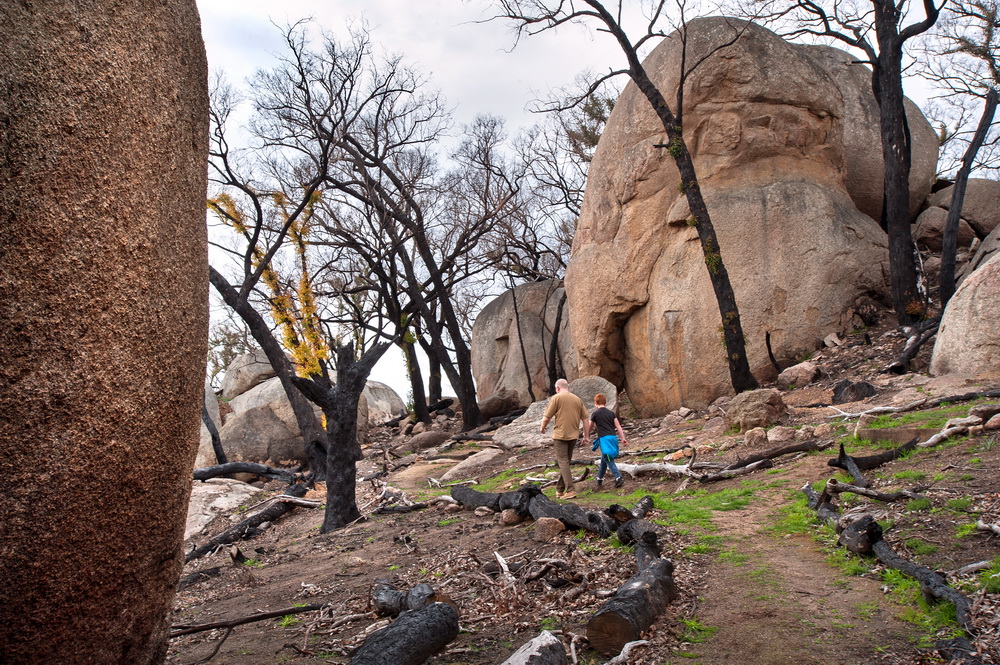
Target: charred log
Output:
{"points": [[411, 639], [388, 601], [248, 527], [803, 447], [632, 531], [208, 472], [874, 461], [471, 498], [622, 514], [846, 462], [572, 515], [636, 604]]}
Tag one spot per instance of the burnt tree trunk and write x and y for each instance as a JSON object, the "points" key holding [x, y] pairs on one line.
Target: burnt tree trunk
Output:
{"points": [[389, 601], [411, 639], [518, 500], [546, 649], [870, 462], [554, 357], [213, 431], [632, 531], [636, 604], [420, 410], [846, 462], [572, 515]]}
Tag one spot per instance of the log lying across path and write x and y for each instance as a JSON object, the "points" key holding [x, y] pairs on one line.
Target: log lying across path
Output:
{"points": [[412, 638], [572, 515], [248, 527], [848, 463], [517, 500], [287, 475], [874, 461], [801, 447], [546, 649], [637, 603], [388, 601]]}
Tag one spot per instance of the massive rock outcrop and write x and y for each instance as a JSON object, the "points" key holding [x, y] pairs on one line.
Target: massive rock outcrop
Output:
{"points": [[968, 341], [497, 360], [766, 122], [103, 299]]}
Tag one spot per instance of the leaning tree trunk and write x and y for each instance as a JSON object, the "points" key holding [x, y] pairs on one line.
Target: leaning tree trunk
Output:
{"points": [[104, 117], [949, 240], [420, 411]]}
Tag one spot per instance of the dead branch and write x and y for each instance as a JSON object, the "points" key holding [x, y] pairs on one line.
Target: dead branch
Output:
{"points": [[943, 435], [918, 336], [802, 447], [287, 475], [623, 657], [732, 473], [673, 470], [833, 486], [870, 462], [983, 526], [878, 410], [180, 629]]}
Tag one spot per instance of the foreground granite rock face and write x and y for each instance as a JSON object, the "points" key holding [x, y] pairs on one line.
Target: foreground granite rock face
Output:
{"points": [[532, 313], [968, 342], [103, 278], [766, 123]]}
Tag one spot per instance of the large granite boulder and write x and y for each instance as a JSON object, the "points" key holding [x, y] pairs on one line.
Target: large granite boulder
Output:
{"points": [[862, 139], [384, 403], [981, 207], [245, 372], [765, 123], [212, 498], [929, 230], [497, 360], [968, 342]]}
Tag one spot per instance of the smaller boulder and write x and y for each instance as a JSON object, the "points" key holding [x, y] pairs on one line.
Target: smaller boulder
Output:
{"points": [[245, 372], [848, 391], [992, 424], [468, 467], [425, 440], [778, 435], [929, 231], [798, 376], [755, 437], [756, 408], [500, 403], [823, 429], [510, 517], [547, 528]]}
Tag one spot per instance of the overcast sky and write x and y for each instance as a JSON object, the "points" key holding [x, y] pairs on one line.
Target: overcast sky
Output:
{"points": [[473, 63]]}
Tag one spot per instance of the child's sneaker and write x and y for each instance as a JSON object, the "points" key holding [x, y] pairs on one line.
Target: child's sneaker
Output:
{"points": [[619, 481], [600, 481]]}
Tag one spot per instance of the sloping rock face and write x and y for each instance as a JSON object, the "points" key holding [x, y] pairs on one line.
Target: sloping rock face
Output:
{"points": [[968, 341], [497, 361], [987, 250], [765, 123], [384, 403]]}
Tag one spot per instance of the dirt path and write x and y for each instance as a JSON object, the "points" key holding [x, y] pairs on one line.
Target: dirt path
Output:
{"points": [[776, 600]]}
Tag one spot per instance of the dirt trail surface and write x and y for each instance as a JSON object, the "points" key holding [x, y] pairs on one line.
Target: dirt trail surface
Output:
{"points": [[760, 581]]}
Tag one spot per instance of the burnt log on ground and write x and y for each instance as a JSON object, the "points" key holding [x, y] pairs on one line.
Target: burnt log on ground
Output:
{"points": [[826, 510], [472, 437], [801, 447], [389, 601], [636, 604], [572, 515], [632, 531], [622, 514], [870, 462], [412, 638], [198, 576], [849, 464], [546, 649], [834, 486], [205, 473], [248, 527], [517, 500], [988, 394]]}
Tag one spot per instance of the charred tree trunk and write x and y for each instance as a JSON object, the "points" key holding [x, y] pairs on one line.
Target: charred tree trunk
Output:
{"points": [[411, 639], [572, 515], [870, 462], [213, 431], [846, 462], [420, 411], [518, 500], [388, 601], [555, 358], [632, 531], [949, 241], [635, 605], [315, 438], [520, 344]]}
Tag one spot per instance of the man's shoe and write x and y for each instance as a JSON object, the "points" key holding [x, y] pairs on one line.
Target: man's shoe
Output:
{"points": [[619, 481], [568, 495]]}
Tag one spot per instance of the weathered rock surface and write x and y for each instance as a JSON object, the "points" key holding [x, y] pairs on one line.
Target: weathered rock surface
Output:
{"points": [[929, 231], [500, 403], [467, 468], [981, 207], [497, 360], [968, 342], [986, 251], [769, 146], [245, 372], [425, 440], [799, 375], [525, 431], [383, 402], [756, 408], [213, 497]]}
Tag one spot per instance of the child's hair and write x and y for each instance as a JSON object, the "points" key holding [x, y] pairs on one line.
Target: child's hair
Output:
{"points": [[600, 399]]}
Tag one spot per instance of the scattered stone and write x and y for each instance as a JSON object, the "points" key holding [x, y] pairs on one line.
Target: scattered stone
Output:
{"points": [[684, 412], [425, 440], [483, 511], [714, 426], [453, 508], [823, 429], [418, 428], [985, 411], [468, 467], [679, 454], [356, 562], [670, 421], [804, 433], [780, 435], [832, 341], [755, 437], [547, 528], [847, 391], [510, 517], [756, 408], [798, 376]]}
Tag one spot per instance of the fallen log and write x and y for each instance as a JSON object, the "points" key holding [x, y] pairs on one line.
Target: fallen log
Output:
{"points": [[846, 462], [572, 515], [870, 462], [943, 435], [826, 510], [918, 336], [388, 601], [182, 629], [989, 394], [205, 473], [801, 447], [248, 527], [726, 474], [834, 486], [546, 649], [472, 437], [673, 470], [636, 604], [623, 514], [517, 500], [412, 638], [878, 409], [632, 531], [398, 510]]}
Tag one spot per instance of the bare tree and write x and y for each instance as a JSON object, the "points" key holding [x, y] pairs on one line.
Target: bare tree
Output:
{"points": [[534, 16], [853, 24], [966, 67]]}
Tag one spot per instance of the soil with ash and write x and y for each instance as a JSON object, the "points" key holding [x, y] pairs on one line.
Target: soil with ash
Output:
{"points": [[751, 590]]}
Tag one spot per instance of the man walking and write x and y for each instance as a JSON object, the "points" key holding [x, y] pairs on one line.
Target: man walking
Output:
{"points": [[567, 411]]}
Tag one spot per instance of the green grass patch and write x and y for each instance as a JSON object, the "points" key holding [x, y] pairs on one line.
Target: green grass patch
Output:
{"points": [[916, 505], [960, 505], [930, 418], [963, 530], [933, 620], [695, 507], [990, 578], [919, 546], [733, 557], [910, 474], [491, 484], [695, 632], [449, 521]]}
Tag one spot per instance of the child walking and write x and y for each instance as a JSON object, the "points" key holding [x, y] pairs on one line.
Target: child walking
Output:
{"points": [[608, 432]]}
